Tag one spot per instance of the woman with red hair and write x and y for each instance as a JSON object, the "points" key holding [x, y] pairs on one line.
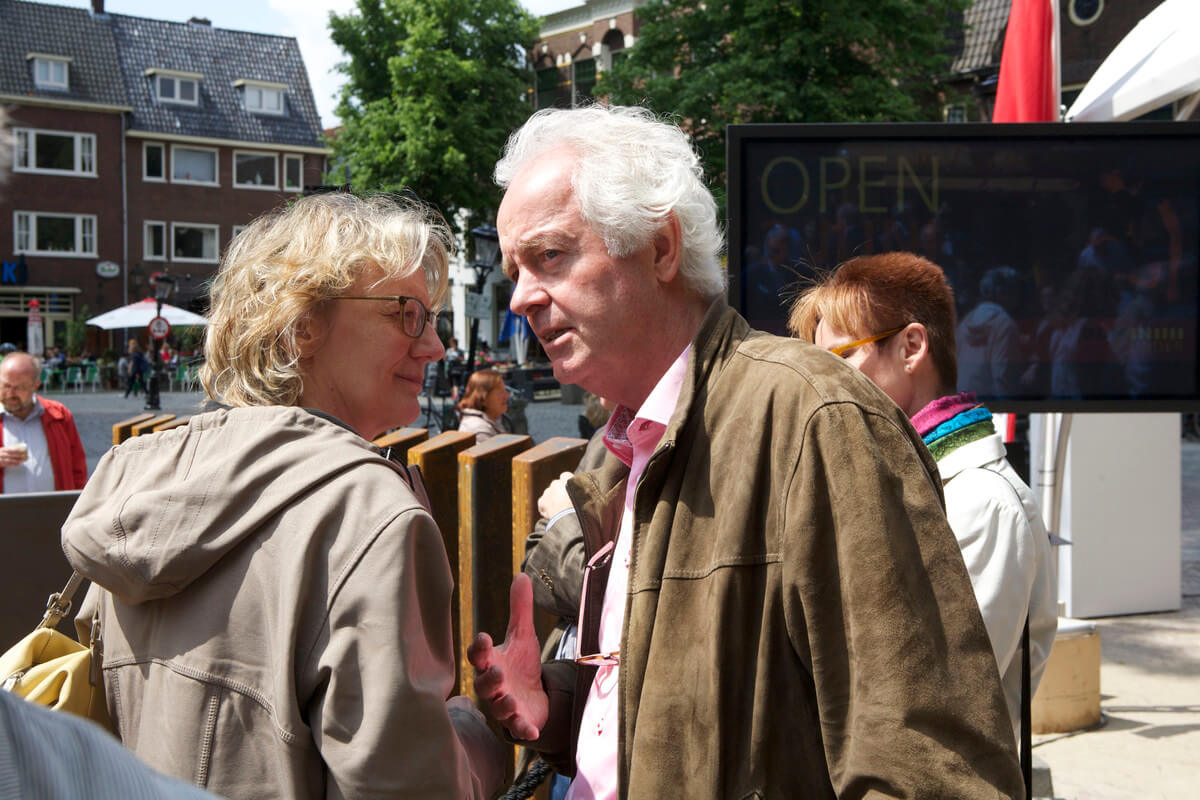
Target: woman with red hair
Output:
{"points": [[484, 400]]}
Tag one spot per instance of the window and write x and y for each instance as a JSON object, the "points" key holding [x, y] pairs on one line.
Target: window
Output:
{"points": [[237, 230], [154, 162], [584, 81], [255, 170], [262, 100], [54, 152], [956, 112], [176, 87], [154, 240], [293, 172], [194, 165], [547, 87], [193, 242], [50, 72], [1085, 12], [43, 233]]}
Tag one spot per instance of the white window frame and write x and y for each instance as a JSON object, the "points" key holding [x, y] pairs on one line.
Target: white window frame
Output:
{"points": [[288, 158], [158, 75], [274, 187], [25, 226], [216, 229], [166, 163], [25, 152], [216, 165], [37, 59], [237, 229], [146, 254], [245, 85]]}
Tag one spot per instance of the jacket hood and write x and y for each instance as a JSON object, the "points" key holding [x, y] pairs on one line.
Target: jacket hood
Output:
{"points": [[161, 510]]}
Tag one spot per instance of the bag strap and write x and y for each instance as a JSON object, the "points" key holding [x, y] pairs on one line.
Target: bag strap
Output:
{"points": [[58, 605]]}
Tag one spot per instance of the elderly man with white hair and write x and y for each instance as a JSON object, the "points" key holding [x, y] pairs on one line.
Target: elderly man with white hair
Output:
{"points": [[774, 604]]}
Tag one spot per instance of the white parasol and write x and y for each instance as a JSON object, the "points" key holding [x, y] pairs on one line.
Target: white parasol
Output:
{"points": [[139, 314]]}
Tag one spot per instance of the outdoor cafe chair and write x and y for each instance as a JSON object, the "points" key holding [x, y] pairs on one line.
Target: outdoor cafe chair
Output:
{"points": [[74, 378]]}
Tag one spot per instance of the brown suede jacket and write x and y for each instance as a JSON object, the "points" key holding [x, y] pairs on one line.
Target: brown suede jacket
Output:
{"points": [[799, 620]]}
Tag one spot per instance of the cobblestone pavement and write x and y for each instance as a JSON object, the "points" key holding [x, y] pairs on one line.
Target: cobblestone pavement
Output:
{"points": [[96, 412]]}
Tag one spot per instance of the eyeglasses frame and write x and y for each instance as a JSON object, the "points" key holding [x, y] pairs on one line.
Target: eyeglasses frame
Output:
{"points": [[430, 316], [878, 337]]}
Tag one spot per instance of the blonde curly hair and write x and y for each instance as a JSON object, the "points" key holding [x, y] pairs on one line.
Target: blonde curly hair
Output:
{"points": [[286, 264]]}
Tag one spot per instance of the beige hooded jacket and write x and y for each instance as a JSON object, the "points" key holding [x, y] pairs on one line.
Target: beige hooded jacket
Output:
{"points": [[277, 613]]}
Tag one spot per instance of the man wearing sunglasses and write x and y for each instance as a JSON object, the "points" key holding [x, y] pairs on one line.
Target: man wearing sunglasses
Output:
{"points": [[774, 604], [911, 356]]}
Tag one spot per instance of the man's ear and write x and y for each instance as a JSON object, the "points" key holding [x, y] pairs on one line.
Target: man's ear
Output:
{"points": [[310, 333], [914, 345], [668, 242]]}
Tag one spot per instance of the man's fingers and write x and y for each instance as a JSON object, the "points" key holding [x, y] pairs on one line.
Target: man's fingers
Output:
{"points": [[481, 652], [520, 605], [489, 685]]}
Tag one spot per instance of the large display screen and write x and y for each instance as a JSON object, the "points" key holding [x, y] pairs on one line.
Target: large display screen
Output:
{"points": [[1071, 248]]}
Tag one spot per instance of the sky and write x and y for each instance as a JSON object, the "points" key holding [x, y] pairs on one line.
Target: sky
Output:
{"points": [[307, 20]]}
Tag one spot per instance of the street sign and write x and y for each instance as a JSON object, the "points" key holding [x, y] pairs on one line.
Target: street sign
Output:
{"points": [[159, 328], [478, 306]]}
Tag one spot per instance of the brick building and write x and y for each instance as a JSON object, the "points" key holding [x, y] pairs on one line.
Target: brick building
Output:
{"points": [[577, 45], [139, 146]]}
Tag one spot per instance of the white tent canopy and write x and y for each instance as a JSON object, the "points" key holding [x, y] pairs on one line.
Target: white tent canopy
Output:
{"points": [[1158, 62], [139, 314]]}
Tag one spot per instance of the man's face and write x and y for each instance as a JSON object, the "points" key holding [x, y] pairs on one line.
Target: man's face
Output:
{"points": [[18, 383], [588, 309], [364, 369]]}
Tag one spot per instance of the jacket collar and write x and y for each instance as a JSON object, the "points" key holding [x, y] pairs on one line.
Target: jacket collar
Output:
{"points": [[972, 454]]}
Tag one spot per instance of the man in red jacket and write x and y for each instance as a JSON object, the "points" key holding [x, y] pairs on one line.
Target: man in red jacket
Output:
{"points": [[41, 450]]}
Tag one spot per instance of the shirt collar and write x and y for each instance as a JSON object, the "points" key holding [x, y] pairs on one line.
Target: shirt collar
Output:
{"points": [[623, 430]]}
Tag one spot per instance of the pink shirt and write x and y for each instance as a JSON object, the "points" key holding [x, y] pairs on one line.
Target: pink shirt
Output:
{"points": [[632, 438]]}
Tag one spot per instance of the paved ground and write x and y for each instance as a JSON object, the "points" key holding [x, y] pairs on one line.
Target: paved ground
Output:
{"points": [[1148, 746], [96, 413]]}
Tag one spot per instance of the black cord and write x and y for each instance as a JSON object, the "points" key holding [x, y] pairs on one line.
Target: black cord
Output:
{"points": [[529, 782]]}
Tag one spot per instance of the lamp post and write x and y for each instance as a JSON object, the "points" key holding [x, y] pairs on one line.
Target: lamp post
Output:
{"points": [[163, 284], [487, 256]]}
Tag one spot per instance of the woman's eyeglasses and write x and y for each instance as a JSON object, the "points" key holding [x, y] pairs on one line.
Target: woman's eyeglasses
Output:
{"points": [[841, 349], [413, 313]]}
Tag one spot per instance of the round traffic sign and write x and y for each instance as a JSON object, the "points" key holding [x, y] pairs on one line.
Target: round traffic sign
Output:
{"points": [[159, 328]]}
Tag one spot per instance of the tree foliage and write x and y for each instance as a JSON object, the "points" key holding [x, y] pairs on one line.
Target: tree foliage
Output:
{"points": [[720, 62], [433, 89]]}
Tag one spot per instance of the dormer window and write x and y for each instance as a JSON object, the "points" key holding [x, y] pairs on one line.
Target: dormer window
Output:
{"points": [[50, 72], [262, 97], [176, 87]]}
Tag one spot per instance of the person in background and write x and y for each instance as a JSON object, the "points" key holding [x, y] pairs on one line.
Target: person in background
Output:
{"points": [[892, 317], [41, 449], [483, 402], [138, 367], [773, 604], [274, 593]]}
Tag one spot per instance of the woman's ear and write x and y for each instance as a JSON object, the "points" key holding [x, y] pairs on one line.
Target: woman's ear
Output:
{"points": [[310, 333], [914, 345]]}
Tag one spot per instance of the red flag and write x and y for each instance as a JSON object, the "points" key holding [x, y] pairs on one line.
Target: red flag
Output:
{"points": [[1028, 88]]}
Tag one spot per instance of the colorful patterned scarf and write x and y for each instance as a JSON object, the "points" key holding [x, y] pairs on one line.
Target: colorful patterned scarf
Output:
{"points": [[952, 421]]}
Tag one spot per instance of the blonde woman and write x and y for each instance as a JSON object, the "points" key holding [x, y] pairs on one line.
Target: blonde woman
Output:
{"points": [[275, 595], [484, 401]]}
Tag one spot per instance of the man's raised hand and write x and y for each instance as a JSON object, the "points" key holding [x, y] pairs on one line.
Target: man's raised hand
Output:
{"points": [[508, 677]]}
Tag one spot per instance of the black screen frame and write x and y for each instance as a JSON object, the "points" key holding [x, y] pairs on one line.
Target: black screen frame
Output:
{"points": [[1128, 134]]}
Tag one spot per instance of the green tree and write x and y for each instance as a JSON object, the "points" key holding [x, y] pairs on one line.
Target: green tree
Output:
{"points": [[434, 88], [720, 62]]}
